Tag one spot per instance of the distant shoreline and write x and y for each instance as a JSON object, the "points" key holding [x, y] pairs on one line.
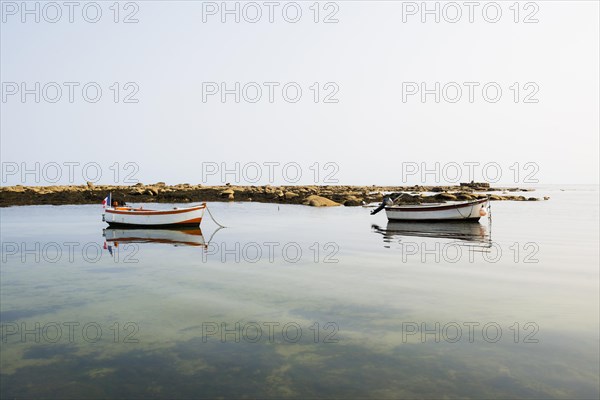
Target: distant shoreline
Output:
{"points": [[314, 195]]}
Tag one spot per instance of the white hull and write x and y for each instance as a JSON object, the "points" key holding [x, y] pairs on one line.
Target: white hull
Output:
{"points": [[126, 216], [469, 211]]}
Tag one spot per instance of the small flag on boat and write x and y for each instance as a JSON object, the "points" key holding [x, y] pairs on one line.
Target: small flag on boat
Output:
{"points": [[106, 201]]}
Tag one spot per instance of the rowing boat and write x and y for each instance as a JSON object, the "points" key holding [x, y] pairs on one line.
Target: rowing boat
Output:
{"points": [[140, 217], [451, 211]]}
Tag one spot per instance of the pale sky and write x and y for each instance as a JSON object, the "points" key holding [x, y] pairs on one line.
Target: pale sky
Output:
{"points": [[371, 66]]}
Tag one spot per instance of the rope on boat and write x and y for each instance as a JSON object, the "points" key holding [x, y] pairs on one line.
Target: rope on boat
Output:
{"points": [[213, 218], [468, 214]]}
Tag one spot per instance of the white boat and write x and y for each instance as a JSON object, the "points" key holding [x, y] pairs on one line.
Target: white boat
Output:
{"points": [[451, 211], [177, 237], [141, 217]]}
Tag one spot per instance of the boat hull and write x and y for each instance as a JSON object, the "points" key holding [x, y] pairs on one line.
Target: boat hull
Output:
{"points": [[465, 211], [178, 217]]}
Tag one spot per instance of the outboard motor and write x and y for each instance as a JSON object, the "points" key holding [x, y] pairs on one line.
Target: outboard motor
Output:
{"points": [[386, 202]]}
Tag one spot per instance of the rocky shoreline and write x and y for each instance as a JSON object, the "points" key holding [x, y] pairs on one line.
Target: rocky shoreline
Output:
{"points": [[307, 195]]}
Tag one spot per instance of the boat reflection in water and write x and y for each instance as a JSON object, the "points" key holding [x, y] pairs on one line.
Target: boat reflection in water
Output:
{"points": [[175, 237], [465, 233]]}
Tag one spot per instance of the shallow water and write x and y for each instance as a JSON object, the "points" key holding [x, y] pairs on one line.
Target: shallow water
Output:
{"points": [[294, 301]]}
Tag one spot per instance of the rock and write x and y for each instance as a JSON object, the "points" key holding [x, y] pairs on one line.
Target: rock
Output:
{"points": [[229, 193], [476, 184], [353, 202], [318, 201], [465, 196], [445, 196], [40, 190], [532, 199], [514, 198], [404, 198], [159, 192], [17, 189], [546, 197], [495, 197]]}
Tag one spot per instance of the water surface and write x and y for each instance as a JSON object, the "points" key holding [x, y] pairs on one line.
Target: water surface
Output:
{"points": [[301, 302]]}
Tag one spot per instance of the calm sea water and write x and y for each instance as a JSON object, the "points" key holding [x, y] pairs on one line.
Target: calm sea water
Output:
{"points": [[300, 302]]}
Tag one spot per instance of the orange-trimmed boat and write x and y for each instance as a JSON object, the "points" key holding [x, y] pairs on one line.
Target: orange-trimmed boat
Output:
{"points": [[141, 217]]}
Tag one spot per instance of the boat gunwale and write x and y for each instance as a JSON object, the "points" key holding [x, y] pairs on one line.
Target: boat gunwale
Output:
{"points": [[427, 208], [134, 211]]}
